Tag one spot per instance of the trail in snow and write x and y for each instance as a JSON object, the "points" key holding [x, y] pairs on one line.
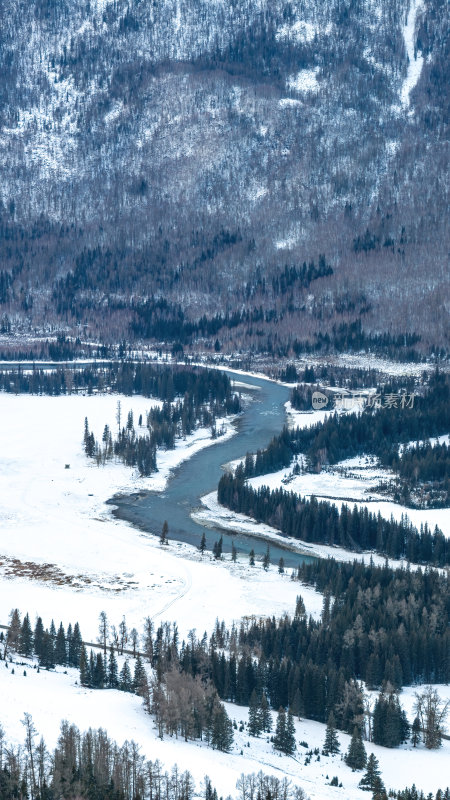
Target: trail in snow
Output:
{"points": [[415, 61]]}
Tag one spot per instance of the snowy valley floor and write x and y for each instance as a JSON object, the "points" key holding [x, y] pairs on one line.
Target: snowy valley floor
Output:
{"points": [[64, 556]]}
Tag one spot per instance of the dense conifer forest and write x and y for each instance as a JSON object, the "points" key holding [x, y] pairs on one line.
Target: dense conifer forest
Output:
{"points": [[422, 471], [376, 431], [319, 521], [125, 377]]}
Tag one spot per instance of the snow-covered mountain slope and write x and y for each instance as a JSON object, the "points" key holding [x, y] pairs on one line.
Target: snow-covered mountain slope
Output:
{"points": [[194, 149]]}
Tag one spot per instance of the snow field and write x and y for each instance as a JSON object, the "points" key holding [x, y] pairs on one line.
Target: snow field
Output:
{"points": [[50, 696], [64, 556]]}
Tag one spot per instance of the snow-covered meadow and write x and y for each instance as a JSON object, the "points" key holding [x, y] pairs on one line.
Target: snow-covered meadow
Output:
{"points": [[62, 553], [47, 695]]}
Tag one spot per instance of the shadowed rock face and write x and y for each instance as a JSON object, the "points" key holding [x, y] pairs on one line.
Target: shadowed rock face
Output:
{"points": [[194, 151]]}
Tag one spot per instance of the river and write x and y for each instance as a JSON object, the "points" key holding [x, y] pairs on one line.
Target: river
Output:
{"points": [[261, 419]]}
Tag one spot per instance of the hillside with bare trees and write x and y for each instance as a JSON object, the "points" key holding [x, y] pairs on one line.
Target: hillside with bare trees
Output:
{"points": [[268, 176]]}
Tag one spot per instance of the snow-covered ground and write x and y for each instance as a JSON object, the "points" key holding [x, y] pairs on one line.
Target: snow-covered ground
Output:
{"points": [[48, 695], [63, 554], [415, 60]]}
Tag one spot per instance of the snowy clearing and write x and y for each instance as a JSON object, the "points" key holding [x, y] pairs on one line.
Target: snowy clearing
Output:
{"points": [[304, 81]]}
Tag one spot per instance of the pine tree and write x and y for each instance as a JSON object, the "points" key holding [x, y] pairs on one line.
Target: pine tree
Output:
{"points": [[251, 558], [125, 681], [38, 637], [222, 729], [14, 629], [26, 638], [281, 566], [113, 673], [331, 744], [91, 668], [202, 547], [300, 610], [164, 539], [290, 734], [60, 646], [217, 548], [47, 655], [266, 716], [85, 678], [284, 738], [140, 683], [233, 552], [356, 756], [390, 726], [371, 780], [266, 559], [98, 674], [76, 644], [254, 715], [415, 732], [69, 636]]}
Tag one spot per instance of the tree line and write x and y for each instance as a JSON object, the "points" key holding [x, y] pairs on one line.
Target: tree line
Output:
{"points": [[377, 431], [91, 765], [126, 377], [162, 427], [50, 646], [320, 522]]}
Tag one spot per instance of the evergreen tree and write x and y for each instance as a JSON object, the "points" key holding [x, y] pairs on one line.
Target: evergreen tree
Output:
{"points": [[233, 552], [76, 645], [390, 726], [371, 780], [254, 715], [202, 547], [125, 681], [222, 729], [164, 539], [69, 636], [290, 746], [217, 548], [26, 638], [266, 559], [98, 673], [60, 646], [85, 678], [331, 744], [47, 655], [91, 668], [300, 609], [356, 756], [113, 673], [140, 683], [14, 629], [38, 637], [266, 716], [281, 566], [415, 732], [251, 558], [284, 739]]}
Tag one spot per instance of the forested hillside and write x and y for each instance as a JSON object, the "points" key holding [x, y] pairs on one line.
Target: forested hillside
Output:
{"points": [[245, 174]]}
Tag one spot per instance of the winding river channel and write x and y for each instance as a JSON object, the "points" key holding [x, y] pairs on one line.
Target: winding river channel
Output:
{"points": [[261, 419]]}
